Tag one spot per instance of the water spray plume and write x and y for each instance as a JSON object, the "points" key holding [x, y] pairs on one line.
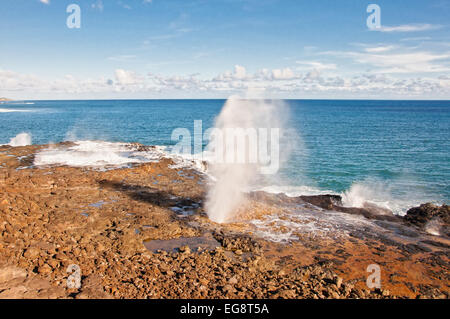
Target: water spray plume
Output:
{"points": [[258, 122], [22, 139]]}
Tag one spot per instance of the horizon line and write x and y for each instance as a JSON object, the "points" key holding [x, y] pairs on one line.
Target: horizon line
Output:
{"points": [[224, 99]]}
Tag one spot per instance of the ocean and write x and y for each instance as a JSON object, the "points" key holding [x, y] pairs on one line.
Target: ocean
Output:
{"points": [[392, 153]]}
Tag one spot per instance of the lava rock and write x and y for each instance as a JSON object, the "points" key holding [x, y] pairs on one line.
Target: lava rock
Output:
{"points": [[419, 216]]}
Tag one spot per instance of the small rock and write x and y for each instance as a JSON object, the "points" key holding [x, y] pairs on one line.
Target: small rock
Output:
{"points": [[286, 294], [45, 269], [185, 249], [53, 263], [204, 281], [338, 281], [170, 273], [227, 288], [233, 280], [31, 253]]}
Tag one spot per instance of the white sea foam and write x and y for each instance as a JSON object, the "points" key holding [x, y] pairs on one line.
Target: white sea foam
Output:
{"points": [[108, 155], [288, 226], [433, 227], [366, 194], [2, 110], [383, 194], [183, 160], [22, 139], [96, 154], [294, 191]]}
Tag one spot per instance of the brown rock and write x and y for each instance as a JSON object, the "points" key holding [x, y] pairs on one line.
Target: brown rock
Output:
{"points": [[228, 288], [185, 249], [420, 216], [10, 273], [45, 269], [338, 281], [286, 294], [13, 293], [323, 201], [53, 263], [31, 253]]}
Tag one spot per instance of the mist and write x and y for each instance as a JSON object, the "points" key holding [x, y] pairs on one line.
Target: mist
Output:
{"points": [[246, 142], [22, 139]]}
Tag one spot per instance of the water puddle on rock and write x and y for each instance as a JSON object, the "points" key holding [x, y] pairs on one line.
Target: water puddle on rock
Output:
{"points": [[205, 242], [98, 204], [184, 211]]}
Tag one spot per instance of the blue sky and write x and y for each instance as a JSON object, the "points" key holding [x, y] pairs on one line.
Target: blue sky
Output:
{"points": [[216, 48]]}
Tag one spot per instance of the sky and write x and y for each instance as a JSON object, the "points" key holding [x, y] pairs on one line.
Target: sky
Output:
{"points": [[297, 49]]}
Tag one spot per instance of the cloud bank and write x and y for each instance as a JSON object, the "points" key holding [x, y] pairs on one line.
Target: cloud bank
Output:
{"points": [[373, 71]]}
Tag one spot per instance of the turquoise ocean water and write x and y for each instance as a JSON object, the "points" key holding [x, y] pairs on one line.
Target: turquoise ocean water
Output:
{"points": [[392, 152]]}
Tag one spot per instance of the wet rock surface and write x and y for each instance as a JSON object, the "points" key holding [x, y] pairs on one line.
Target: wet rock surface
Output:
{"points": [[330, 202], [55, 217], [429, 215], [334, 202]]}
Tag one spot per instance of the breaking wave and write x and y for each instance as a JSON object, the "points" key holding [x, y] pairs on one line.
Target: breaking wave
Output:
{"points": [[109, 155], [2, 110], [96, 154], [386, 194], [22, 139]]}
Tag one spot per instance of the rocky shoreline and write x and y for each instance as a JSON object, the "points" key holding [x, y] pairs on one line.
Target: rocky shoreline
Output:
{"points": [[141, 232]]}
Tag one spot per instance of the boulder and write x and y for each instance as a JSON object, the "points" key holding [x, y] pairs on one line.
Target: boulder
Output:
{"points": [[428, 213], [324, 201]]}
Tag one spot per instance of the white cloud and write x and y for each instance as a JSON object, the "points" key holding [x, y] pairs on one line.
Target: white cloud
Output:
{"points": [[125, 77], [416, 39], [239, 72], [282, 74], [414, 62], [312, 76], [393, 59], [313, 82], [408, 28], [275, 74], [280, 82], [317, 65], [379, 49], [45, 1]]}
